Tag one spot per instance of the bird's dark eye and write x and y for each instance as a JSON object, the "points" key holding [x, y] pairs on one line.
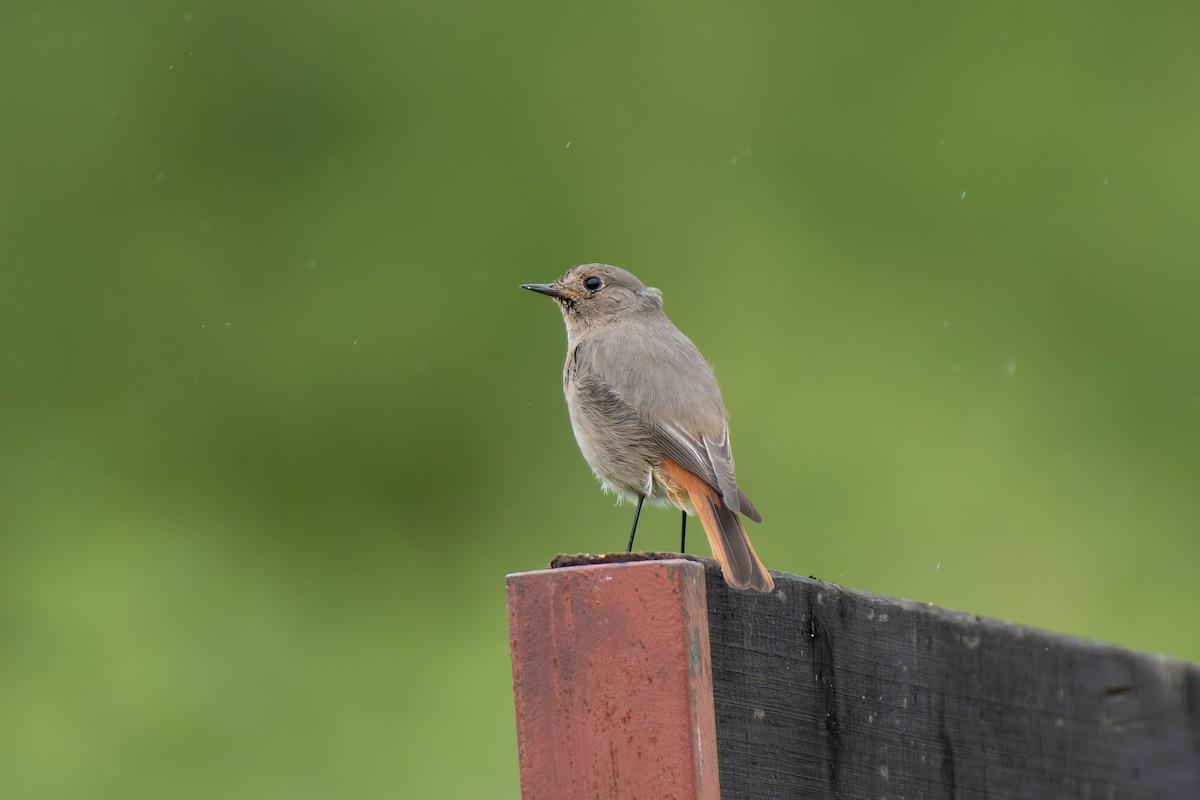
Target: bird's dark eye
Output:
{"points": [[593, 284]]}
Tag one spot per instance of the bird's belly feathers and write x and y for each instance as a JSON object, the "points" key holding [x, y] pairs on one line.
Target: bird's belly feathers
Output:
{"points": [[616, 446]]}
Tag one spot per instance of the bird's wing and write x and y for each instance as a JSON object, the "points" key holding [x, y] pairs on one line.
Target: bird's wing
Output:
{"points": [[674, 394]]}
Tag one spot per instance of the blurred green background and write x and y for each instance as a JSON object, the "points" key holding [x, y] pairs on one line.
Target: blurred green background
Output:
{"points": [[276, 419]]}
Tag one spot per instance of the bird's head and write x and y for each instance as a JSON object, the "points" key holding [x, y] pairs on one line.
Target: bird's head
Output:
{"points": [[592, 293]]}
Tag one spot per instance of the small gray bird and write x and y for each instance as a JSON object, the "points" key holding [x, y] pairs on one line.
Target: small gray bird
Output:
{"points": [[647, 412]]}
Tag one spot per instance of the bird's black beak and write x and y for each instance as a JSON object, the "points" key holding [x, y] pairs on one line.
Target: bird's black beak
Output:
{"points": [[553, 289]]}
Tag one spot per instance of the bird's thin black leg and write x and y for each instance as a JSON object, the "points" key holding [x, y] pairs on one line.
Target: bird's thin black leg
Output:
{"points": [[637, 512], [683, 534]]}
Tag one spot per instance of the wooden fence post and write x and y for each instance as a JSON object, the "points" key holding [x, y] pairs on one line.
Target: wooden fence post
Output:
{"points": [[818, 691], [613, 682]]}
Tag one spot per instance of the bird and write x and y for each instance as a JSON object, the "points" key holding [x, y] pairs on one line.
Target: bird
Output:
{"points": [[648, 415]]}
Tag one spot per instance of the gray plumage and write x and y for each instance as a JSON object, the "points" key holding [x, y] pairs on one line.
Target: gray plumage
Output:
{"points": [[641, 396]]}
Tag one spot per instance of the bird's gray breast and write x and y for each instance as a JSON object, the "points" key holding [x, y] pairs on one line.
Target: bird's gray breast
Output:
{"points": [[617, 445]]}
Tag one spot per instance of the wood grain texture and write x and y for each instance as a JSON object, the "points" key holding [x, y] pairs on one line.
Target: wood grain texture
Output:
{"points": [[827, 692]]}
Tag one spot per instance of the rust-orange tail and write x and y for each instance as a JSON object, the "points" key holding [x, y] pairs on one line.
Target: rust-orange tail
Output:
{"points": [[726, 536]]}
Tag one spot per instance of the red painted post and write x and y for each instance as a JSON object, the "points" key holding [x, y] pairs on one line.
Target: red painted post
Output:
{"points": [[613, 682]]}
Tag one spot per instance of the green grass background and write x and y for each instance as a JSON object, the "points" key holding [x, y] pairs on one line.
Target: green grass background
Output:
{"points": [[276, 420]]}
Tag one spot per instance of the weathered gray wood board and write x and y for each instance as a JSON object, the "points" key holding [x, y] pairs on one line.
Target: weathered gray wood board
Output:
{"points": [[827, 692]]}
